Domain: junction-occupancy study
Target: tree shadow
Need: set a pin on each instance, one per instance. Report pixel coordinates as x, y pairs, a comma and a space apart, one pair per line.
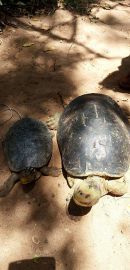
29, 7
39, 263
38, 71
51, 33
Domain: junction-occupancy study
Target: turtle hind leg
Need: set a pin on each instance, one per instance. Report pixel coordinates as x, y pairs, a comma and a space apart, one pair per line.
52, 121
50, 171
117, 186
8, 185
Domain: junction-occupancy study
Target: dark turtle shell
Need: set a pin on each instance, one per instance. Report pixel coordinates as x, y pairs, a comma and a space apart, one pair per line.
94, 137
28, 144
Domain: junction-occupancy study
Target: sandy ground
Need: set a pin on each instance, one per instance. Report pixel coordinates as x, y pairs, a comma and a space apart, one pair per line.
67, 54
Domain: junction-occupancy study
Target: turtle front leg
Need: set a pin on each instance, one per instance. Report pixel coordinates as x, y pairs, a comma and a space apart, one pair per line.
72, 181
8, 184
117, 186
52, 121
50, 171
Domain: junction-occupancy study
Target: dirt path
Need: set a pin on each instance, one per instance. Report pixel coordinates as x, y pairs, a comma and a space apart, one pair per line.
44, 56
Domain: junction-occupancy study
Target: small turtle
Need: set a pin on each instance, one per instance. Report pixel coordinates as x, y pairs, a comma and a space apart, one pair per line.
94, 140
28, 149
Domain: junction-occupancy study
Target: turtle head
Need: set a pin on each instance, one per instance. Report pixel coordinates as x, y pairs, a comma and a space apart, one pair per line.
88, 191
28, 175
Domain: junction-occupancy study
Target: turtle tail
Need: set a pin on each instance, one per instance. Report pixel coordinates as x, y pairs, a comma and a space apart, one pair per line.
8, 185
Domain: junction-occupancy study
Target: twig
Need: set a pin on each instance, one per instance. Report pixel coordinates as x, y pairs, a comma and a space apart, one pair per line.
61, 99
11, 112
69, 49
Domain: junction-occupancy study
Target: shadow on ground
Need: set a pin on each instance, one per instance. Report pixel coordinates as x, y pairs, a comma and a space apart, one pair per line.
39, 263
75, 210
113, 79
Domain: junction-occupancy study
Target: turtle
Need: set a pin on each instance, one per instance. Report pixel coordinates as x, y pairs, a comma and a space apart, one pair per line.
28, 148
93, 135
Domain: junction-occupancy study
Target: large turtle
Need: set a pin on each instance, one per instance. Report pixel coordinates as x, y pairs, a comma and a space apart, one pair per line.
28, 149
94, 141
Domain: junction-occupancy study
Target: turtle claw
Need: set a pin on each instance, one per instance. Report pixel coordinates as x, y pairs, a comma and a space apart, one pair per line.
52, 135
52, 121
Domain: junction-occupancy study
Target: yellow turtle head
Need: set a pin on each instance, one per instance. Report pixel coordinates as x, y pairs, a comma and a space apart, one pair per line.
28, 175
87, 192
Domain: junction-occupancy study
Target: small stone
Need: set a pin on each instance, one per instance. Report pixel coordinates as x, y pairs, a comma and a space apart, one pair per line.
29, 202
124, 99
67, 230
46, 241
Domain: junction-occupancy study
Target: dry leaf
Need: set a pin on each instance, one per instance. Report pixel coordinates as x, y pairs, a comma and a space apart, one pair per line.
35, 19
27, 44
36, 259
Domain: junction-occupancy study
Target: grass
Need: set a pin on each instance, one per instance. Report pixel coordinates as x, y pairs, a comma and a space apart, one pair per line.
80, 6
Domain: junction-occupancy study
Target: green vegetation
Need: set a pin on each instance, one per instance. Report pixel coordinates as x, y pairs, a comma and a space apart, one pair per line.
81, 6
24, 2
31, 7
29, 2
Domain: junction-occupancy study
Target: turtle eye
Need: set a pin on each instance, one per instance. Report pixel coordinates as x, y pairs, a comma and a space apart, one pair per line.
80, 192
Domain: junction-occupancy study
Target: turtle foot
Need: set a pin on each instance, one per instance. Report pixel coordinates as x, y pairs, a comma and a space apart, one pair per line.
118, 186
52, 171
52, 121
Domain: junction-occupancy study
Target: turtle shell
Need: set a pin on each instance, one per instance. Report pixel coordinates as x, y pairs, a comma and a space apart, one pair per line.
94, 137
28, 144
